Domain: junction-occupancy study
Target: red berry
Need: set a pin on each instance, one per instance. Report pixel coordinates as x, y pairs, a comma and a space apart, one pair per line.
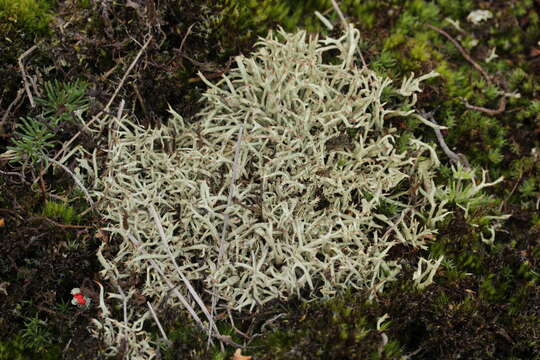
80, 299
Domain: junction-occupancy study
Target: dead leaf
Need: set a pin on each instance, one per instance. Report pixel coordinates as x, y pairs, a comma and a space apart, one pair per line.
101, 235
534, 52
3, 286
238, 355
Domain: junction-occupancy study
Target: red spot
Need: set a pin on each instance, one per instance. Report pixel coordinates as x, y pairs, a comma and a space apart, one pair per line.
80, 299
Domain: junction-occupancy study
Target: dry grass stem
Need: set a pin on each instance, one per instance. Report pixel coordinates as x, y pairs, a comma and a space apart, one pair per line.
126, 74
25, 75
158, 323
77, 181
8, 110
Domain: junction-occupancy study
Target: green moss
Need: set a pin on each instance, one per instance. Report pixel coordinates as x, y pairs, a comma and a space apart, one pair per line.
341, 328
34, 341
61, 212
30, 17
189, 342
17, 349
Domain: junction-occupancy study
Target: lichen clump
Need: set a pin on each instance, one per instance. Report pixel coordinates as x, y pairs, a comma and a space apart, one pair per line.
291, 184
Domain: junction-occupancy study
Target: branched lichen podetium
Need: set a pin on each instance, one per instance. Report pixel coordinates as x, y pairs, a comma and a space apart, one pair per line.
320, 196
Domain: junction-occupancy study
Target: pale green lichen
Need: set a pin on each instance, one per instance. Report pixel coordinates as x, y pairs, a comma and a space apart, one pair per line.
289, 185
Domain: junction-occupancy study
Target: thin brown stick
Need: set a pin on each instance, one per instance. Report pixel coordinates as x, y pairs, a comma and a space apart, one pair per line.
77, 181
185, 37
190, 288
500, 109
108, 73
106, 108
462, 51
139, 97
340, 14
25, 76
244, 335
64, 226
8, 110
503, 203
502, 101
126, 74
223, 338
11, 173
42, 186
163, 335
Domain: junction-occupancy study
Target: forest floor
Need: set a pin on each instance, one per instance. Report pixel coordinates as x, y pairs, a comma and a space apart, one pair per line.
66, 60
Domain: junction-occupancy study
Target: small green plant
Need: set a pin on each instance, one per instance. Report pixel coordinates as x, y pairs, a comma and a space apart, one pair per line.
36, 135
36, 334
31, 142
63, 100
59, 211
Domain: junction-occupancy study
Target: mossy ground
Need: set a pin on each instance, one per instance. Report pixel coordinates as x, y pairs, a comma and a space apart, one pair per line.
486, 301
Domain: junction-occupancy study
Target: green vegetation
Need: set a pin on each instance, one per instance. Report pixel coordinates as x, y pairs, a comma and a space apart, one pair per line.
38, 135
58, 211
25, 17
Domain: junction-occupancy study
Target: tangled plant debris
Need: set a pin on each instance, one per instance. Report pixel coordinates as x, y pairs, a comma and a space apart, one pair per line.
291, 184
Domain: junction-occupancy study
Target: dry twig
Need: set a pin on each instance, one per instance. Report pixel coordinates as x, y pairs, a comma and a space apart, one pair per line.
232, 188
185, 37
8, 110
223, 338
64, 226
500, 109
157, 322
124, 306
24, 75
462, 51
77, 181
340, 14
502, 101
12, 173
106, 108
186, 282
126, 74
